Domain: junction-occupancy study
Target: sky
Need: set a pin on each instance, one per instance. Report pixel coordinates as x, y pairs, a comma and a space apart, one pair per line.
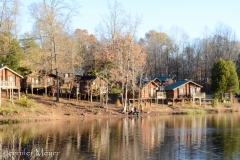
160, 15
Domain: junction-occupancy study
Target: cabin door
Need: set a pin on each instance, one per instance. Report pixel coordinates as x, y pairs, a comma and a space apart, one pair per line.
151, 92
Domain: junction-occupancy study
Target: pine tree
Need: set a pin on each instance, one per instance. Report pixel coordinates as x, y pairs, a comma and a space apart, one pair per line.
219, 77
233, 83
224, 77
13, 56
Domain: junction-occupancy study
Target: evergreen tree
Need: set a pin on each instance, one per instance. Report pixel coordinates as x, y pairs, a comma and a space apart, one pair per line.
219, 77
233, 84
13, 57
224, 77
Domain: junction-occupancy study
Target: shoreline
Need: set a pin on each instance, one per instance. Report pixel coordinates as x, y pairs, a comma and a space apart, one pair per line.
46, 109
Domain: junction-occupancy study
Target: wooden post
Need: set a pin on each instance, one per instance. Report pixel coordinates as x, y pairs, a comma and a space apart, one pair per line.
19, 94
6, 90
12, 92
193, 101
91, 92
0, 94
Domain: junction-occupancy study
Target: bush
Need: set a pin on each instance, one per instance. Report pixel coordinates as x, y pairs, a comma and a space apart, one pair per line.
215, 102
25, 102
116, 91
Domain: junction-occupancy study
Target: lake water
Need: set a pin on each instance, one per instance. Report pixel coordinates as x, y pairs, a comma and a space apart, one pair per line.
214, 136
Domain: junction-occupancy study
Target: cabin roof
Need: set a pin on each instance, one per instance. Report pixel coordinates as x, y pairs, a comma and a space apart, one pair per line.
164, 78
11, 71
152, 81
178, 84
79, 73
92, 78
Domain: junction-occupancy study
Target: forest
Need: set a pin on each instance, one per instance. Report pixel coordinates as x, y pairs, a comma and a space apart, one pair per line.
114, 51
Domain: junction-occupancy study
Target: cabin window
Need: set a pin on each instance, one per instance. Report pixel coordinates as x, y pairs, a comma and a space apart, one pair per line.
181, 90
35, 80
49, 80
151, 92
192, 90
11, 79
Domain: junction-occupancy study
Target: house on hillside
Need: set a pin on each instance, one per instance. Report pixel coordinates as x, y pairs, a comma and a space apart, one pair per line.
38, 81
10, 81
43, 81
66, 81
145, 92
92, 86
183, 90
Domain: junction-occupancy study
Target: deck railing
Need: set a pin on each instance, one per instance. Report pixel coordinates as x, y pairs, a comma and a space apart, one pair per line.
199, 95
38, 85
6, 84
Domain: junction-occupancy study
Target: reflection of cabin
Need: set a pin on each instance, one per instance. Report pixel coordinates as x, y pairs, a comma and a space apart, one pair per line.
10, 81
38, 81
184, 90
93, 86
146, 92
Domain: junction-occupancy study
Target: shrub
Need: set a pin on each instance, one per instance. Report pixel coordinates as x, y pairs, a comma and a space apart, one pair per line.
215, 102
116, 91
25, 102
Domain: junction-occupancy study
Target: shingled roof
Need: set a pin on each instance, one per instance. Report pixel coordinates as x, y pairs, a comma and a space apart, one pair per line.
178, 84
2, 67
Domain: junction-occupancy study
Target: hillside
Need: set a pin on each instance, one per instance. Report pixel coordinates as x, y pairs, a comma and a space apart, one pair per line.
43, 108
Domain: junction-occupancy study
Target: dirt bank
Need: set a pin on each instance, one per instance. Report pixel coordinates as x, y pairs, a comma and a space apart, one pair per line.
45, 108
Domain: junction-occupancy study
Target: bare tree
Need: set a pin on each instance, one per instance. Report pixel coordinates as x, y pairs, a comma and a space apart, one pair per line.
52, 18
9, 11
116, 33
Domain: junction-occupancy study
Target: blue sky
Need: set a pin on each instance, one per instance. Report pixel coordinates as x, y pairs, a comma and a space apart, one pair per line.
160, 15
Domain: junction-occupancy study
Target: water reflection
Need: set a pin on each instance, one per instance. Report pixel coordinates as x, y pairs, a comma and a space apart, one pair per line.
164, 137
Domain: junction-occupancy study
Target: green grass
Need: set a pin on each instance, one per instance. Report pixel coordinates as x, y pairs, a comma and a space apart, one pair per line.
190, 110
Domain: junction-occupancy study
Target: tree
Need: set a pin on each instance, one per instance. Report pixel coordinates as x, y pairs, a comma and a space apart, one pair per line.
219, 77
31, 53
52, 18
9, 10
159, 45
118, 46
224, 77
233, 83
14, 55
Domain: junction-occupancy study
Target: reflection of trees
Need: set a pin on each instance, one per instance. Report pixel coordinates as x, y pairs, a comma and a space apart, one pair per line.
165, 137
227, 135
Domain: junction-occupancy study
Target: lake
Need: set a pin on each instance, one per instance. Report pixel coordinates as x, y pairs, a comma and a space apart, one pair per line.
212, 136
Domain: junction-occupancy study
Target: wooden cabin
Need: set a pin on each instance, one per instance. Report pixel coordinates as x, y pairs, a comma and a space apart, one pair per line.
66, 80
183, 90
148, 91
38, 81
92, 86
10, 81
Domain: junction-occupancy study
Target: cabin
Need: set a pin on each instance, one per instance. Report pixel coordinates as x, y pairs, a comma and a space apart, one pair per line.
146, 92
92, 86
10, 81
66, 80
38, 81
183, 90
